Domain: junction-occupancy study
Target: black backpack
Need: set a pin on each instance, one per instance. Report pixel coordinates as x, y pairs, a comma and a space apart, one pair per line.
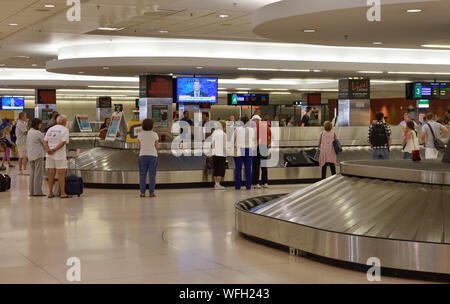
13, 134
378, 136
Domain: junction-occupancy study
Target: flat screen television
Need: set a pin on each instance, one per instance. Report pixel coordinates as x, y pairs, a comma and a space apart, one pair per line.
13, 103
196, 90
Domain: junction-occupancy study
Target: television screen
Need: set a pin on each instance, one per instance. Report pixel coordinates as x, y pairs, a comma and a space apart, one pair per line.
155, 86
13, 103
428, 90
248, 99
196, 90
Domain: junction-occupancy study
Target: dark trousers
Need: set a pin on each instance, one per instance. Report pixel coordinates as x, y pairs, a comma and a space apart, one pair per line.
324, 169
257, 167
245, 159
147, 166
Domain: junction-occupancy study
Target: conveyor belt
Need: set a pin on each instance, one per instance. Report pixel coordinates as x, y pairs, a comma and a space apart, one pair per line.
349, 218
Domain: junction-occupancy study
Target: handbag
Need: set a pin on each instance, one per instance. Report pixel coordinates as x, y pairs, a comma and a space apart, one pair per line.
438, 144
416, 152
209, 163
337, 145
317, 155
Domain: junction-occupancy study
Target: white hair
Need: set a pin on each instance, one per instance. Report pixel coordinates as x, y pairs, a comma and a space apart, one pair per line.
62, 119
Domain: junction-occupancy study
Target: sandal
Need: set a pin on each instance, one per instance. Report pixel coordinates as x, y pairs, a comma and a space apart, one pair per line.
67, 196
50, 196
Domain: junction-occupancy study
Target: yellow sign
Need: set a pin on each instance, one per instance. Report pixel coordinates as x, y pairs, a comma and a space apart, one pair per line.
134, 127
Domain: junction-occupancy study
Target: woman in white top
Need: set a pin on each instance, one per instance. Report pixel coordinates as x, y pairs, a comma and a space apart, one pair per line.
219, 145
148, 157
410, 140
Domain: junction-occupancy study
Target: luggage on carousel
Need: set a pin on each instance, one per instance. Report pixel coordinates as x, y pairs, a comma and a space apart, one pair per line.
74, 185
300, 159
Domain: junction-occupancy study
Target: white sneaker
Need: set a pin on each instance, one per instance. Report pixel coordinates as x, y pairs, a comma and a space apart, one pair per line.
266, 186
257, 186
219, 187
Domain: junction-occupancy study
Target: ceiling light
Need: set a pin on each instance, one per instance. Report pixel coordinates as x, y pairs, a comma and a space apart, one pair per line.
272, 70
317, 71
21, 56
34, 65
421, 73
280, 93
163, 31
112, 29
49, 5
377, 43
442, 46
106, 68
309, 31
224, 16
13, 24
414, 11
370, 72
80, 72
199, 67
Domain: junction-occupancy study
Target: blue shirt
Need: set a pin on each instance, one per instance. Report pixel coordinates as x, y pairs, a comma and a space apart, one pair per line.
4, 125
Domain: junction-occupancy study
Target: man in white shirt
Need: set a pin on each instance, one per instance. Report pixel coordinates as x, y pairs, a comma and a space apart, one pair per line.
21, 141
55, 141
431, 127
406, 118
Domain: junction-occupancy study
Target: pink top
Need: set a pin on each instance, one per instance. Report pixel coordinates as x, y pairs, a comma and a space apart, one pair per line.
327, 153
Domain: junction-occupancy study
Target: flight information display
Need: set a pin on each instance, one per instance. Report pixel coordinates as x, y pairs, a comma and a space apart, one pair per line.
445, 90
248, 99
427, 90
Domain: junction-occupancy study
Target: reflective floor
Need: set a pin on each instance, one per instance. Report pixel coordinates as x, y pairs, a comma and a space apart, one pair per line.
182, 236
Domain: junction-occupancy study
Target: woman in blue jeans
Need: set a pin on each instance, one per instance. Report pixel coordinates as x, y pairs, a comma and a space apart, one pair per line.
245, 142
148, 156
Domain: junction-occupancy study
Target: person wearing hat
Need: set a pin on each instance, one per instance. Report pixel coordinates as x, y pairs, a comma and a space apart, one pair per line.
262, 141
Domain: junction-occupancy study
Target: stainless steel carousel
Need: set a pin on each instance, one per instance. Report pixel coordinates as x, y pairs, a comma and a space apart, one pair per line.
396, 211
116, 163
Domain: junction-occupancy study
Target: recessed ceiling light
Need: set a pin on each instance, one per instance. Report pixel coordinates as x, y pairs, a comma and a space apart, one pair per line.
224, 16
106, 68
21, 56
163, 31
199, 67
309, 31
377, 43
112, 29
34, 65
13, 24
317, 71
441, 46
49, 5
370, 72
80, 72
414, 11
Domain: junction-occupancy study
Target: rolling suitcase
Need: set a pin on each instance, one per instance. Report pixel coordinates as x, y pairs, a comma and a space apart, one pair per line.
5, 183
74, 185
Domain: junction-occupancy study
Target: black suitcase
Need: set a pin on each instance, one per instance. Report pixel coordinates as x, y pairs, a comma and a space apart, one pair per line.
311, 154
446, 157
299, 159
5, 183
74, 185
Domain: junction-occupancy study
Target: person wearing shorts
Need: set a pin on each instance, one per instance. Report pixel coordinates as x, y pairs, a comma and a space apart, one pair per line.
21, 142
55, 141
219, 144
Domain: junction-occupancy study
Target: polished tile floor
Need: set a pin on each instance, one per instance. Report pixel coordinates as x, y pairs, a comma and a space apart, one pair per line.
182, 236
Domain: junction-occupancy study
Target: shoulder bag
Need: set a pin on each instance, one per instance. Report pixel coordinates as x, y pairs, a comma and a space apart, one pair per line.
438, 144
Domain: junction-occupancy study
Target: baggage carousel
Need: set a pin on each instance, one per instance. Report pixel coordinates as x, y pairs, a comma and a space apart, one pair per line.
396, 211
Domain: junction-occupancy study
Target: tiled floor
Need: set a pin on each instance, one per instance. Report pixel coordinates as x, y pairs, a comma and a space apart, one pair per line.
182, 236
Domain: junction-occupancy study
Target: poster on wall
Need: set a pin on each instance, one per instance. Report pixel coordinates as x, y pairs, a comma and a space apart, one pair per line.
160, 114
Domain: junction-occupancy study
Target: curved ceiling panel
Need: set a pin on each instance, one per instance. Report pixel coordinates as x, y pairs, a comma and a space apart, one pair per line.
345, 23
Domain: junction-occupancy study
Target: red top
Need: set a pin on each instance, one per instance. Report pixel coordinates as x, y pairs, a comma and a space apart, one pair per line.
269, 134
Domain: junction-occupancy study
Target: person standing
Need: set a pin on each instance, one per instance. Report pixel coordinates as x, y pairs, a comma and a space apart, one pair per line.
21, 142
327, 156
263, 142
6, 140
306, 119
380, 138
218, 147
186, 118
52, 121
410, 140
55, 141
36, 153
245, 143
431, 130
148, 157
406, 118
